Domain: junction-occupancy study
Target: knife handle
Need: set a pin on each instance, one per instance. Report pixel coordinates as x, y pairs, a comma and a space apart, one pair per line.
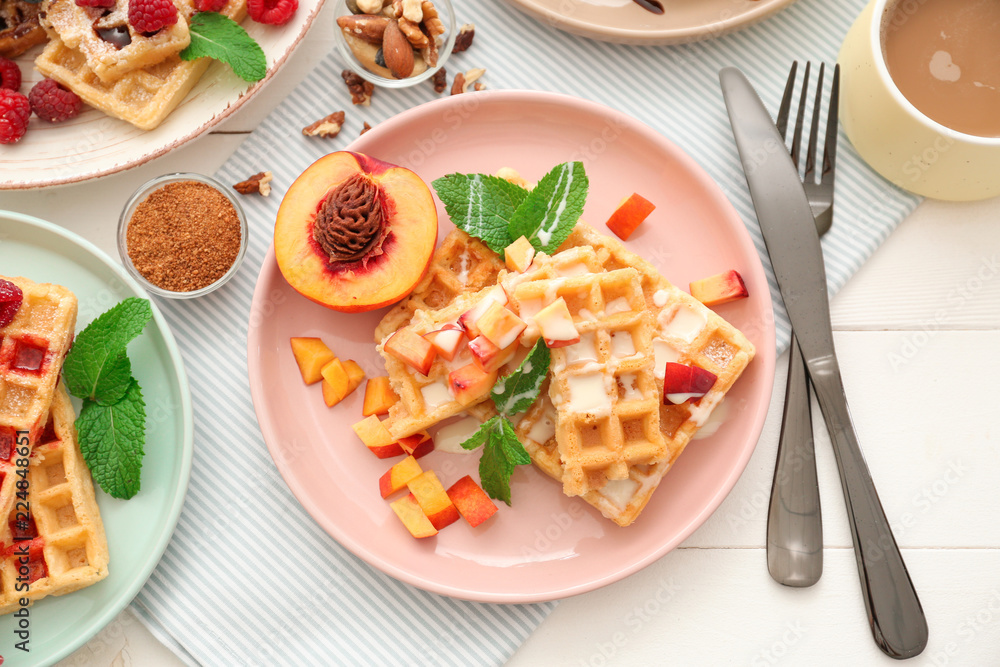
894, 612
794, 522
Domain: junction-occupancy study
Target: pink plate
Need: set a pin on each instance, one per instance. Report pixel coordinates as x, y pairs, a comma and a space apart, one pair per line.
547, 545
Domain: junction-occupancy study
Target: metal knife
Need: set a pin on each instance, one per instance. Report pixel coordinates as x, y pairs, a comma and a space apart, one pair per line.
894, 612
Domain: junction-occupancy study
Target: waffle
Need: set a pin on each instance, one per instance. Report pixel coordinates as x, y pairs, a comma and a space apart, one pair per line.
80, 28
461, 264
19, 27
63, 536
603, 387
142, 97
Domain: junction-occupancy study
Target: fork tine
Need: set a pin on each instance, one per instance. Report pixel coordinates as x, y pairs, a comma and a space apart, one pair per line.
786, 100
799, 117
830, 146
808, 176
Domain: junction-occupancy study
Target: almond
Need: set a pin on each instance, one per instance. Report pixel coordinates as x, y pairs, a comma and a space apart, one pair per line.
397, 51
368, 28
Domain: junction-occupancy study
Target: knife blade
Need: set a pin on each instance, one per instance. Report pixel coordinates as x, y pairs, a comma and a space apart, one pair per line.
894, 612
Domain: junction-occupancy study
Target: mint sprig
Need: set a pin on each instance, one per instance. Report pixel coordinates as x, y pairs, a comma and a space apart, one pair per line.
216, 36
112, 423
498, 212
502, 451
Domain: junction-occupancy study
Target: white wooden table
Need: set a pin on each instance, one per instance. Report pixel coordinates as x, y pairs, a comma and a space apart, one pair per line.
917, 332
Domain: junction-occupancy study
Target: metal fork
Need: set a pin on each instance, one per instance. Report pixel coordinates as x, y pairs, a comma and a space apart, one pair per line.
794, 523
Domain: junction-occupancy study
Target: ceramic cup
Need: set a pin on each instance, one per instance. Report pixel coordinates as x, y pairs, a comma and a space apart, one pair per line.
898, 141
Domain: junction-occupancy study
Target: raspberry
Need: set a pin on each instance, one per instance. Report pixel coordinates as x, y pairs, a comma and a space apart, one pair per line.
10, 300
53, 103
14, 113
272, 12
210, 5
105, 4
10, 74
148, 16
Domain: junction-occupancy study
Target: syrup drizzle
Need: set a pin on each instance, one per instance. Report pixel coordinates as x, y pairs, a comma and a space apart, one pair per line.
654, 6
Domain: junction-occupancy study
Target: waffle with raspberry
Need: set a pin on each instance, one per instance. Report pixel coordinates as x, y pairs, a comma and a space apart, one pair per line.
61, 538
19, 27
143, 97
109, 44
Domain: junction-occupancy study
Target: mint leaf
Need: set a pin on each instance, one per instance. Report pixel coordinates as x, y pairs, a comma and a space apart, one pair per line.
216, 36
501, 454
111, 441
114, 381
550, 211
92, 367
481, 206
519, 390
478, 439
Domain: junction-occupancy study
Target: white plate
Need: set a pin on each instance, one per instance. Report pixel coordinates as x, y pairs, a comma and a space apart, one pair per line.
94, 144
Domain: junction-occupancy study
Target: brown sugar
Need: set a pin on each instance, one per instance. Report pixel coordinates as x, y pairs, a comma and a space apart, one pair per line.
184, 236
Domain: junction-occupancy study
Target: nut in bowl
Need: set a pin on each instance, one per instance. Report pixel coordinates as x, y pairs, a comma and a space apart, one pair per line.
395, 43
182, 235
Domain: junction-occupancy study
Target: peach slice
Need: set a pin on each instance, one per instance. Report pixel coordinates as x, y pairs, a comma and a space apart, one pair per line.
556, 324
500, 326
472, 502
354, 375
311, 354
411, 349
336, 383
396, 477
408, 510
351, 261
630, 213
722, 288
379, 397
518, 255
470, 383
417, 445
446, 340
682, 383
433, 499
488, 356
469, 318
377, 438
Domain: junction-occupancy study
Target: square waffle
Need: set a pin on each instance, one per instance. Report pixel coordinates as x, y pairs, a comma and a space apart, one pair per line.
603, 387
63, 537
142, 97
81, 28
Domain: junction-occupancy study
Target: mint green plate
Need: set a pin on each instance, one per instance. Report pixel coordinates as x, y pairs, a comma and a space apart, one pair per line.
138, 529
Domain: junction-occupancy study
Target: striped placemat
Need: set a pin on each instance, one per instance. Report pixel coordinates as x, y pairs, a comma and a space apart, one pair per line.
249, 578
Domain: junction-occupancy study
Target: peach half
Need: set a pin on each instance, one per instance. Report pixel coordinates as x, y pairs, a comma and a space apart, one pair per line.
354, 233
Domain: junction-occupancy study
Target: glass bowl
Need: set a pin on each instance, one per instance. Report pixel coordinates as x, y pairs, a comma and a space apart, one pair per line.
446, 13
140, 195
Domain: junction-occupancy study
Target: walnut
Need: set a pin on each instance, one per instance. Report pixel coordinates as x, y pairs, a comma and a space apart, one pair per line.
464, 82
463, 40
365, 128
414, 34
412, 10
361, 90
349, 224
327, 128
259, 183
440, 80
430, 52
432, 24
370, 6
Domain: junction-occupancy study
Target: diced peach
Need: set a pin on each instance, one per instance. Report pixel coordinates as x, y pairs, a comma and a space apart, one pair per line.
472, 502
433, 499
417, 445
377, 438
556, 324
408, 510
469, 318
518, 255
470, 383
396, 477
500, 326
411, 349
379, 397
311, 354
722, 288
336, 383
488, 356
354, 375
630, 213
446, 340
682, 383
